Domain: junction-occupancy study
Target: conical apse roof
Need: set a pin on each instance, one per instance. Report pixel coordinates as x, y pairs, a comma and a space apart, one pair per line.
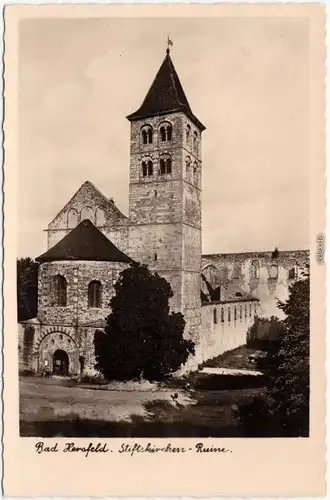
84, 242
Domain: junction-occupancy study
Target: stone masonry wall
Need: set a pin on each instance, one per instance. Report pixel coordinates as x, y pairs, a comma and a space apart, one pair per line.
220, 331
165, 210
89, 203
36, 351
78, 275
259, 273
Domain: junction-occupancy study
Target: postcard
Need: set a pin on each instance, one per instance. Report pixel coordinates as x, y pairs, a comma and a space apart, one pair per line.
164, 235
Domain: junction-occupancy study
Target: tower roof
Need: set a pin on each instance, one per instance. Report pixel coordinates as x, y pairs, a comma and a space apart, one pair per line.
84, 242
165, 95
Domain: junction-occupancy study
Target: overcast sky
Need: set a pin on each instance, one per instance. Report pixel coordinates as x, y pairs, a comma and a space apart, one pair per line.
245, 79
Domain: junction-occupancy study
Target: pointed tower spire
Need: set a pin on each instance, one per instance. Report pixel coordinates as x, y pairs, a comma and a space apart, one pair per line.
166, 94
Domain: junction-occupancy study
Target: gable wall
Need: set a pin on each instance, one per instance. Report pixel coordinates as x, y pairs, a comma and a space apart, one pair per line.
88, 203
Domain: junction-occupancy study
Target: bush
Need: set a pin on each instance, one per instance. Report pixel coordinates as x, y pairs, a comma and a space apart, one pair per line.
27, 288
264, 331
93, 379
284, 411
142, 338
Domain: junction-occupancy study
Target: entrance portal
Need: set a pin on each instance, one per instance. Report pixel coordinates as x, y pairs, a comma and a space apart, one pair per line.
60, 363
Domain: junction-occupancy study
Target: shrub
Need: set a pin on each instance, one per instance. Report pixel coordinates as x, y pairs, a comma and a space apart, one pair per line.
142, 338
264, 331
284, 410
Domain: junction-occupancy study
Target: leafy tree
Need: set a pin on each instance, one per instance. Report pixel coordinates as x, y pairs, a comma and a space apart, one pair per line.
264, 331
284, 409
142, 338
27, 288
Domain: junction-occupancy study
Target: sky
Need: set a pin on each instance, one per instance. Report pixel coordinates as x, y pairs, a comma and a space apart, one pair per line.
246, 79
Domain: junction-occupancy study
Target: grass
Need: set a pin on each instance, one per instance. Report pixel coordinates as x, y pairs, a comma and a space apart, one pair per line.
207, 414
53, 407
237, 359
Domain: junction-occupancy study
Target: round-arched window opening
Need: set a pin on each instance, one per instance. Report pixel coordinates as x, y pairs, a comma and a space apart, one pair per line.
273, 272
147, 135
165, 132
95, 294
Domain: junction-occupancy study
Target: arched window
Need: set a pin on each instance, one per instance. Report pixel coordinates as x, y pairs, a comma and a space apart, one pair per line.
72, 218
94, 294
100, 219
195, 143
254, 270
222, 315
195, 173
246, 311
87, 213
147, 168
250, 310
293, 272
165, 165
240, 313
147, 135
166, 132
188, 163
235, 313
188, 130
60, 290
229, 314
273, 272
215, 319
237, 269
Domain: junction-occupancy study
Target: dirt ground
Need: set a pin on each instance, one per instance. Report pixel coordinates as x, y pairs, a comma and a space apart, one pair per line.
49, 408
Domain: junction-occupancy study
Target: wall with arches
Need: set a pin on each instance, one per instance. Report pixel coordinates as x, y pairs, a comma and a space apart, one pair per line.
76, 341
89, 203
55, 341
259, 273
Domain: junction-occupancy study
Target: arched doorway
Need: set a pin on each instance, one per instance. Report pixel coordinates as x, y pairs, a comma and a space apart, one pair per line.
60, 363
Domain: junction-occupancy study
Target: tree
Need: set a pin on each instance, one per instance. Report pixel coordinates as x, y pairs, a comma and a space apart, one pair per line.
284, 410
142, 338
290, 387
27, 288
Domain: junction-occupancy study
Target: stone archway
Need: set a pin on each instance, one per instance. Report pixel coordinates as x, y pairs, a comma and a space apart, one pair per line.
60, 363
60, 348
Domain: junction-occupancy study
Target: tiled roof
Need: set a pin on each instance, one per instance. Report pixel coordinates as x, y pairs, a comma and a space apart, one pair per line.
165, 95
84, 242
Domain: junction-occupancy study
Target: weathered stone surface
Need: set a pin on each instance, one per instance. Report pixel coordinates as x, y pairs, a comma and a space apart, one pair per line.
163, 231
259, 273
165, 210
89, 203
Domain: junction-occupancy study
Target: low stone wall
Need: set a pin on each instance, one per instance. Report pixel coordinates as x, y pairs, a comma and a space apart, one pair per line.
222, 330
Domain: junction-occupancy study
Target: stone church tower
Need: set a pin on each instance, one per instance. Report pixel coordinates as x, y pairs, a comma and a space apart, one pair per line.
165, 191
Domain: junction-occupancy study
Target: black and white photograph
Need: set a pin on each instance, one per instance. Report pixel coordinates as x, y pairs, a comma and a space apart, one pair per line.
163, 227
